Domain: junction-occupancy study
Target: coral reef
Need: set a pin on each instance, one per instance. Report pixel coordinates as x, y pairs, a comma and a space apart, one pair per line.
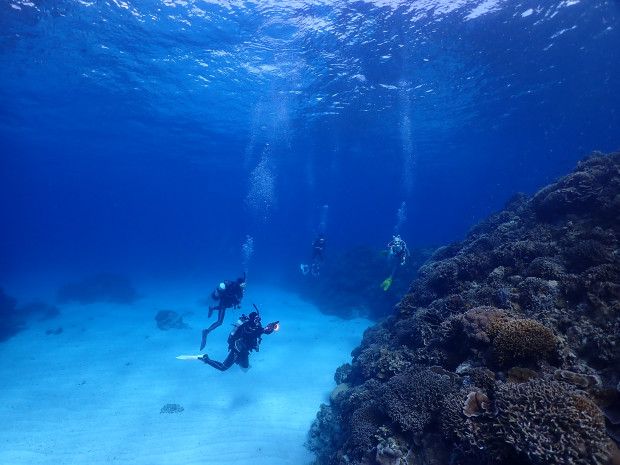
42, 310
171, 408
550, 423
522, 341
412, 399
14, 317
99, 288
169, 319
540, 421
10, 324
506, 347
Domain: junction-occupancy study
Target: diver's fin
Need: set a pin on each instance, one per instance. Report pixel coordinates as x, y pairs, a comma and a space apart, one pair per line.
203, 342
190, 357
385, 285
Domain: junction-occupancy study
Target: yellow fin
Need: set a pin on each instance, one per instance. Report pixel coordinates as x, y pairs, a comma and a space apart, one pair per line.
385, 285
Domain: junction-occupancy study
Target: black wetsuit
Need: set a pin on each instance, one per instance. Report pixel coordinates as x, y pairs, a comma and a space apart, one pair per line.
229, 297
399, 254
245, 339
317, 249
317, 255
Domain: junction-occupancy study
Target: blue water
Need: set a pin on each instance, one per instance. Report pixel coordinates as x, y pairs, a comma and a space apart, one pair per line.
151, 138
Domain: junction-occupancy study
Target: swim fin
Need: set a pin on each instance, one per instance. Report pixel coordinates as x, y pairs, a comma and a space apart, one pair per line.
203, 343
385, 285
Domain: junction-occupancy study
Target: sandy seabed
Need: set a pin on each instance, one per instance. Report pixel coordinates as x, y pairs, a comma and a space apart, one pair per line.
94, 393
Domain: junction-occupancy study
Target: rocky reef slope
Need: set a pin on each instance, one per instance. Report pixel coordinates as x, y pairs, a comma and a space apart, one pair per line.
505, 350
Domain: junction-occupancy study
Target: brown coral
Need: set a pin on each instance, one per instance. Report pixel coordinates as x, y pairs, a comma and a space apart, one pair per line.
520, 375
476, 323
522, 341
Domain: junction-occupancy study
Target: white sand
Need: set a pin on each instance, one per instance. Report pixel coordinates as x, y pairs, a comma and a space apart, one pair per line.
93, 393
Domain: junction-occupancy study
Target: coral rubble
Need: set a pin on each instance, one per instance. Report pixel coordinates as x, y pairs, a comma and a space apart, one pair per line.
505, 349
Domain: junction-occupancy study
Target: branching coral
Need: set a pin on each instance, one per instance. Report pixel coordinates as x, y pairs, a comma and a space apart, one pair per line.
470, 433
364, 424
551, 423
411, 399
546, 421
538, 296
380, 362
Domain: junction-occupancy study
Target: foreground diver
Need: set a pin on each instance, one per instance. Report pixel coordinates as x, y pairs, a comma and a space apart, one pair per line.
229, 294
245, 337
397, 256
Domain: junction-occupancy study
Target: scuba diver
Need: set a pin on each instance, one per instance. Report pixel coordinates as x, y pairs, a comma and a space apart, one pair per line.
229, 294
245, 337
317, 257
397, 256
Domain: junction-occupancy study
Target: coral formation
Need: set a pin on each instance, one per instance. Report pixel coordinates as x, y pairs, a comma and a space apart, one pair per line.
9, 323
522, 341
99, 288
477, 322
540, 421
42, 310
14, 317
476, 404
506, 348
171, 408
168, 319
550, 423
413, 398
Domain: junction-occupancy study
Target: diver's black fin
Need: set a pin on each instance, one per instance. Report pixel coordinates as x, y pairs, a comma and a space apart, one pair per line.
203, 343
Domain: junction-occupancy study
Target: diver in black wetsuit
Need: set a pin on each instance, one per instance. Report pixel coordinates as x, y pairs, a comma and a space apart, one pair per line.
229, 294
245, 337
317, 257
317, 254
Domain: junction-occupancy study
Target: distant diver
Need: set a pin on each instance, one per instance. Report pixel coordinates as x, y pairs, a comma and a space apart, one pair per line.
245, 337
397, 256
318, 245
229, 294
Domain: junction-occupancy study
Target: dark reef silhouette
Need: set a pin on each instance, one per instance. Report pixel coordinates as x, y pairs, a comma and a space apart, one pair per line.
99, 288
10, 323
349, 282
14, 317
505, 349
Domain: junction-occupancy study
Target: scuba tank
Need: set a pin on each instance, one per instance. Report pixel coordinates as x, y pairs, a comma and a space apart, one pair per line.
231, 336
